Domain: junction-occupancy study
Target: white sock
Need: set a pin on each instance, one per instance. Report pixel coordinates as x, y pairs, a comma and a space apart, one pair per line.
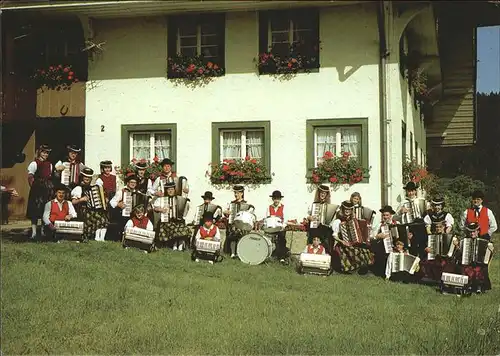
181, 246
33, 230
97, 234
103, 234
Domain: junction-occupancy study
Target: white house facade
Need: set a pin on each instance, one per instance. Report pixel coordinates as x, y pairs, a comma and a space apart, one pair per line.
134, 111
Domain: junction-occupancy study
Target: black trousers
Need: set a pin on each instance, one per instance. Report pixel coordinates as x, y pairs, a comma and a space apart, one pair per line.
281, 250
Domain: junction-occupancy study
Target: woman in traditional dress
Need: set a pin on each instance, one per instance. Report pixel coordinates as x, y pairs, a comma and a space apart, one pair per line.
42, 187
95, 221
347, 255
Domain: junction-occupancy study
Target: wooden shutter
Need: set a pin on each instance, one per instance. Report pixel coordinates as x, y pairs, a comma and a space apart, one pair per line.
263, 31
172, 36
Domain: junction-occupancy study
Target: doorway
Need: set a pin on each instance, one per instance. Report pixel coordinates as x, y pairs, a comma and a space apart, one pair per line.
59, 133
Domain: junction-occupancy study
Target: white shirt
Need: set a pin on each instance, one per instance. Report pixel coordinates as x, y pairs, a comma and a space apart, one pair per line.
419, 213
76, 193
100, 183
48, 207
376, 227
60, 163
32, 167
116, 199
157, 204
268, 213
491, 218
4, 188
130, 223
156, 185
217, 233
448, 220
315, 249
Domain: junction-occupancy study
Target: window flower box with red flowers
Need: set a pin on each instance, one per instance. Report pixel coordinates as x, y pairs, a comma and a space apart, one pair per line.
338, 170
58, 77
417, 173
294, 62
153, 169
192, 68
244, 171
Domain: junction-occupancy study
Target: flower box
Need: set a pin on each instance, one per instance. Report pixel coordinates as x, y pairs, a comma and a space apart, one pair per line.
341, 170
192, 68
153, 169
246, 171
296, 61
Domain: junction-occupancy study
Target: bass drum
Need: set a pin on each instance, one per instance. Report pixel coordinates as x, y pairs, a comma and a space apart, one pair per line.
254, 248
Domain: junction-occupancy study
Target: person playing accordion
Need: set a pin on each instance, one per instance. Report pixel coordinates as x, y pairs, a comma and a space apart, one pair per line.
207, 232
58, 209
139, 219
207, 206
437, 214
383, 240
316, 248
350, 251
481, 215
171, 226
320, 215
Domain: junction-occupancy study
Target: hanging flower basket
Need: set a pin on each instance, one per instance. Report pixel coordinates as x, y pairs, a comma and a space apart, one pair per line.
58, 77
152, 172
246, 171
192, 68
296, 61
338, 170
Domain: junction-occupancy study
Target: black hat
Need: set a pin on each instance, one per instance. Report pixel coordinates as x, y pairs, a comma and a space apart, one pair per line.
346, 204
437, 201
106, 164
411, 186
45, 148
387, 209
238, 188
87, 172
478, 194
73, 148
138, 208
472, 226
59, 186
324, 188
141, 165
208, 216
170, 184
440, 222
167, 161
131, 177
276, 194
208, 195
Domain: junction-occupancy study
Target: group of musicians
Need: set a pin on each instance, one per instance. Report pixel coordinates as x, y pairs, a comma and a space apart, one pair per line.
346, 232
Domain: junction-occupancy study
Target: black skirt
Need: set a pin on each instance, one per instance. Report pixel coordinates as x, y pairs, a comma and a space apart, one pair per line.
42, 190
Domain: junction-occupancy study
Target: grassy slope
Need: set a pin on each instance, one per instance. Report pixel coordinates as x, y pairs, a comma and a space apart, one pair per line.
101, 299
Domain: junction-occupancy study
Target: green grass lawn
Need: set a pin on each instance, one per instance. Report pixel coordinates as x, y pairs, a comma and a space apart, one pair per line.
97, 298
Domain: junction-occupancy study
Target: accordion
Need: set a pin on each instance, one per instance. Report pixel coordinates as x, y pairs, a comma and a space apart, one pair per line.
139, 238
128, 201
69, 227
416, 209
402, 262
208, 246
393, 232
350, 232
440, 245
363, 213
176, 206
452, 283
322, 214
475, 251
96, 197
212, 208
68, 175
234, 208
315, 264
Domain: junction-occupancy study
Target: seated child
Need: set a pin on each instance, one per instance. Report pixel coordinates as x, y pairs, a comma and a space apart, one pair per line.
139, 219
57, 209
208, 231
316, 247
399, 247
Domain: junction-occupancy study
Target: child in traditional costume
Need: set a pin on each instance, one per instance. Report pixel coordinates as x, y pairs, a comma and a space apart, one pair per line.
74, 166
172, 209
207, 206
138, 219
277, 209
348, 254
42, 187
315, 248
107, 179
58, 209
481, 215
208, 231
95, 220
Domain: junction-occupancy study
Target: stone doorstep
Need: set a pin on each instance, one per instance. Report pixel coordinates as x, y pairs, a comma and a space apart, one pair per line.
16, 226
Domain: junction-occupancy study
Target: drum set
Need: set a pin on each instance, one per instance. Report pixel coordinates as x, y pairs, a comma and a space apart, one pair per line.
258, 245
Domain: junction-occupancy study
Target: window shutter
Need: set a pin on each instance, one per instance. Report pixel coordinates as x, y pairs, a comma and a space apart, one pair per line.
171, 36
315, 33
263, 31
220, 20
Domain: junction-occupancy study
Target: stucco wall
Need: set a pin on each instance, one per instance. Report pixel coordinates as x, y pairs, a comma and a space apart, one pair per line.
129, 87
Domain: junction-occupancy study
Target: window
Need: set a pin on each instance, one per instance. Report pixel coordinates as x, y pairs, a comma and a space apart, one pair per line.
281, 29
403, 142
337, 136
148, 141
236, 140
411, 147
197, 35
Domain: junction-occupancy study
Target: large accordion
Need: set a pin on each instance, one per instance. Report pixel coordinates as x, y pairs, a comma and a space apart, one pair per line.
235, 208
201, 209
311, 263
209, 247
402, 262
440, 245
69, 227
69, 175
457, 284
139, 238
416, 209
176, 206
351, 232
322, 214
394, 233
96, 197
475, 250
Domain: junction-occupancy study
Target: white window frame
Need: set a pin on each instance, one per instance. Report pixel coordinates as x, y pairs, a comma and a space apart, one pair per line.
198, 40
151, 142
243, 144
338, 140
290, 31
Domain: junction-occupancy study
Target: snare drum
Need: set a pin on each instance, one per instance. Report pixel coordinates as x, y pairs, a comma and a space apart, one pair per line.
272, 224
254, 248
244, 220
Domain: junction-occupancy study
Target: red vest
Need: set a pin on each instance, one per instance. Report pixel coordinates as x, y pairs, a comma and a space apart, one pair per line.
276, 212
109, 183
210, 234
142, 224
55, 213
482, 220
43, 169
310, 249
